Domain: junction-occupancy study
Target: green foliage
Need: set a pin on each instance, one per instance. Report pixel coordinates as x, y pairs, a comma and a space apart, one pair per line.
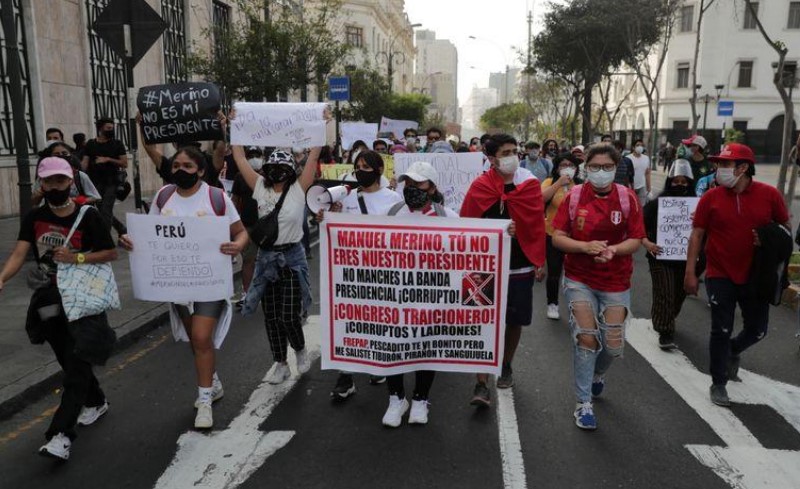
371, 98
408, 107
733, 136
509, 118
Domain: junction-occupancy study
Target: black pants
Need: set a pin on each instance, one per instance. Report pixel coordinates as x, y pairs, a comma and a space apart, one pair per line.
424, 381
668, 294
81, 387
555, 266
106, 208
283, 314
723, 295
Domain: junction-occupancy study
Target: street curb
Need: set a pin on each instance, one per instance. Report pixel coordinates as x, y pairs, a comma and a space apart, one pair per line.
33, 386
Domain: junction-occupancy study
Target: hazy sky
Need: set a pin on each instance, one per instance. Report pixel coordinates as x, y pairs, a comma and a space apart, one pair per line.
498, 25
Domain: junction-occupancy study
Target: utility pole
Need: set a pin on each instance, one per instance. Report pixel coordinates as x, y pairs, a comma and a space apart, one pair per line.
528, 73
17, 106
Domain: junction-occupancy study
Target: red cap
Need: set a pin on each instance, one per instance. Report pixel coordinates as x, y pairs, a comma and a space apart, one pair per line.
735, 152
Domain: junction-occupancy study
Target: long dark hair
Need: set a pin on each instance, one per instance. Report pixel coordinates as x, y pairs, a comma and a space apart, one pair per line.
373, 159
555, 175
195, 155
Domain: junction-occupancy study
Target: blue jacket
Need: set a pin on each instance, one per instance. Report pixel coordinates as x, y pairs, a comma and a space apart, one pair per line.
268, 263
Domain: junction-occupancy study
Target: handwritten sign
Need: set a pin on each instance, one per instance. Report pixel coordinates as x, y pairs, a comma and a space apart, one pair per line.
402, 293
335, 171
675, 226
355, 131
178, 258
300, 125
397, 127
179, 112
456, 172
388, 166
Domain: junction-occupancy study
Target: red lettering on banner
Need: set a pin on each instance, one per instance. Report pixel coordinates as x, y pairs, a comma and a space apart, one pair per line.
416, 241
375, 314
361, 239
359, 343
345, 257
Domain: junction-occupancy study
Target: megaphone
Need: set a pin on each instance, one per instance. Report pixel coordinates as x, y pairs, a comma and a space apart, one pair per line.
319, 197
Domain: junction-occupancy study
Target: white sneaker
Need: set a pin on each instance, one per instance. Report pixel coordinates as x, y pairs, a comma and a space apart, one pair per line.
280, 372
216, 394
205, 417
394, 413
552, 312
419, 412
91, 414
57, 447
303, 363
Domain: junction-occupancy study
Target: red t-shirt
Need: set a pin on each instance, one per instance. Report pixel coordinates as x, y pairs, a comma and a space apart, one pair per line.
601, 219
729, 220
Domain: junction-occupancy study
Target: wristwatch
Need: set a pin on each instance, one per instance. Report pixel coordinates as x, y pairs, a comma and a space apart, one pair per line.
80, 258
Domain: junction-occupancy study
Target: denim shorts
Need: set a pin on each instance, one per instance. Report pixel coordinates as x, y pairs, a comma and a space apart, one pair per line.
211, 309
578, 292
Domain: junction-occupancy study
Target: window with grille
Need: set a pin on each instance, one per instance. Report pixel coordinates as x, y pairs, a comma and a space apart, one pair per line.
109, 77
745, 74
6, 119
354, 36
687, 18
749, 18
222, 22
794, 15
172, 11
683, 75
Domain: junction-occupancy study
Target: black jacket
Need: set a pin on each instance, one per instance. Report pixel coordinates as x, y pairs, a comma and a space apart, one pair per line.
770, 271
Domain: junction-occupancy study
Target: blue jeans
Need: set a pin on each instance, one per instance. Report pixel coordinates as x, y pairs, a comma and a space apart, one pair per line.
268, 265
723, 295
610, 337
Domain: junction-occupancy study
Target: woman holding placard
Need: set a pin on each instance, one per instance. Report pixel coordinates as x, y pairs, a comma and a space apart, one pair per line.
281, 281
667, 275
204, 324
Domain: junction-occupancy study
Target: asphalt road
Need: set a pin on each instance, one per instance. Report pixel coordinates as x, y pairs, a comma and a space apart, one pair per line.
650, 421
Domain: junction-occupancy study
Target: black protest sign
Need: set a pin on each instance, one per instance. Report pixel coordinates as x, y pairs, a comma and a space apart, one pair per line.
179, 112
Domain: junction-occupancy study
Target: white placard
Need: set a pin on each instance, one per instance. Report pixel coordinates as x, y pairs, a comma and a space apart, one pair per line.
401, 294
456, 171
282, 125
177, 259
354, 131
675, 226
397, 126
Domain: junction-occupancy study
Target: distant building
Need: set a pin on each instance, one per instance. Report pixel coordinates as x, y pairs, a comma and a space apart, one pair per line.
507, 85
479, 101
733, 54
437, 73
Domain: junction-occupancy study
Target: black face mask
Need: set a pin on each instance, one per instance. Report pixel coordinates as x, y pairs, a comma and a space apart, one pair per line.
185, 180
109, 134
275, 174
415, 198
679, 190
367, 178
57, 197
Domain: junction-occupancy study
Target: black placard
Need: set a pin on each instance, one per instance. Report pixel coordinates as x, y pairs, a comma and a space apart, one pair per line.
179, 112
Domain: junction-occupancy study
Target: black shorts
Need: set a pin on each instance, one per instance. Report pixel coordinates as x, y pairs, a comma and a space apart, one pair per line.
519, 305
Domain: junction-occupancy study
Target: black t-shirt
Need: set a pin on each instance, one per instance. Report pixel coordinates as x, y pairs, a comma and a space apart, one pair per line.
625, 172
211, 176
700, 168
47, 231
103, 174
518, 258
249, 210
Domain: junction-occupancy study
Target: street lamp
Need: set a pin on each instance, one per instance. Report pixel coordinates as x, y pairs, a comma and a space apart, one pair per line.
707, 98
421, 88
390, 56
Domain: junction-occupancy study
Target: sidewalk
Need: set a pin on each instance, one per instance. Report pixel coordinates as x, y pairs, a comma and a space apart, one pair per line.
27, 370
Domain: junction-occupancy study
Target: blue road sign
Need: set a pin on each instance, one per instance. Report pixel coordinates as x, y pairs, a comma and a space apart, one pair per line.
339, 88
725, 108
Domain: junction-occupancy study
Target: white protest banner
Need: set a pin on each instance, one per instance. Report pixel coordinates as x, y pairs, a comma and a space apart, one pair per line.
456, 171
354, 131
177, 259
279, 124
675, 226
397, 127
401, 294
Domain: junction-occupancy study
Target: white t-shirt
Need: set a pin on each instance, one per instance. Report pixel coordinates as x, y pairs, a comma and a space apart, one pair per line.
405, 211
293, 211
640, 166
198, 204
378, 203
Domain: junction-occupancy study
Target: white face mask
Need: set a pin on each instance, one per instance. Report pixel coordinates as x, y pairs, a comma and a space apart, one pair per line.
256, 163
534, 154
726, 178
508, 165
639, 149
567, 172
601, 179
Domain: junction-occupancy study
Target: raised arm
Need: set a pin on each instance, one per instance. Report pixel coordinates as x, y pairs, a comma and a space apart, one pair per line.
310, 171
250, 176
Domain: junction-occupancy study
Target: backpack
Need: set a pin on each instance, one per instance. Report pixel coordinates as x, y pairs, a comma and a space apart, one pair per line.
575, 197
438, 208
216, 195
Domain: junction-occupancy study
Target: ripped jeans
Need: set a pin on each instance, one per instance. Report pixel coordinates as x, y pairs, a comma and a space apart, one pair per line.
723, 295
610, 338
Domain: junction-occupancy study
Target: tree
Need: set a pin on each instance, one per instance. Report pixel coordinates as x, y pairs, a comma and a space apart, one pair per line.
704, 6
369, 95
509, 118
408, 107
782, 79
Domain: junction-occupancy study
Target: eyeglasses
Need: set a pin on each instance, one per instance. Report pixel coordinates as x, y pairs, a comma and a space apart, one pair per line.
597, 168
61, 153
434, 138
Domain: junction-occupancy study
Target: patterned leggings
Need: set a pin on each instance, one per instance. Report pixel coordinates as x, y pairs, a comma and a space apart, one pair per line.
283, 314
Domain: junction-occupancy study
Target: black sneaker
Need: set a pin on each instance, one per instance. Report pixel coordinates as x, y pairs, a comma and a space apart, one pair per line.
376, 380
733, 367
506, 379
481, 397
666, 341
345, 387
719, 395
